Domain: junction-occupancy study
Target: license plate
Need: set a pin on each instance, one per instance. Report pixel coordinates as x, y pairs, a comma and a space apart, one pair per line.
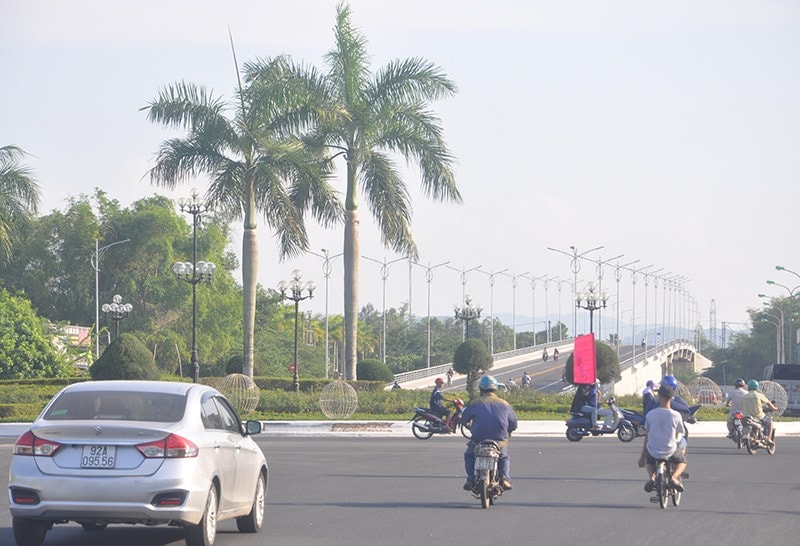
484, 463
96, 456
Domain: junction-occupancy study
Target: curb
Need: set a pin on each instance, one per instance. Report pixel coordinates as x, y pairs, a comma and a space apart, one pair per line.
543, 429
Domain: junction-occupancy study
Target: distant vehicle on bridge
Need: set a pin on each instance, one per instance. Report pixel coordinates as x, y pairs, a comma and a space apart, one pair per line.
788, 377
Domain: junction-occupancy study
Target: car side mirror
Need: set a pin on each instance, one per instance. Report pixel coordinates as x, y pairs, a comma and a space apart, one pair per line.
252, 427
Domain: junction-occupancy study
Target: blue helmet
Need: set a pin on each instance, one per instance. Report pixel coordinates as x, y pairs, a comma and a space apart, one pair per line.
752, 385
670, 381
488, 383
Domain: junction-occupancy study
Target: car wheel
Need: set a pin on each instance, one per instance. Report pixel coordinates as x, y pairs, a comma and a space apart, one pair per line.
28, 532
204, 533
252, 522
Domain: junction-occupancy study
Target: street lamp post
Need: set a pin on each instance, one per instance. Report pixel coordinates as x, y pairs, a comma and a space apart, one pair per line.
491, 305
297, 293
384, 275
326, 272
591, 300
467, 313
117, 311
195, 272
514, 304
429, 278
463, 272
575, 266
98, 251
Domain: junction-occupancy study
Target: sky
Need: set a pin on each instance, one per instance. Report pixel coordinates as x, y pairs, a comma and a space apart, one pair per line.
664, 132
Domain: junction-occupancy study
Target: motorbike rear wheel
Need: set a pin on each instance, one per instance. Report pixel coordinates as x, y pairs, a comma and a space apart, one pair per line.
485, 500
422, 428
573, 435
626, 433
738, 439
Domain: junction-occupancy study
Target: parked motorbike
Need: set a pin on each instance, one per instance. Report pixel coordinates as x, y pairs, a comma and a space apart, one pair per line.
487, 486
580, 425
425, 423
738, 429
755, 437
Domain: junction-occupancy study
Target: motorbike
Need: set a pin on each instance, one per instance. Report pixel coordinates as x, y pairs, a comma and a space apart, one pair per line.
738, 429
425, 423
636, 420
754, 437
487, 485
580, 425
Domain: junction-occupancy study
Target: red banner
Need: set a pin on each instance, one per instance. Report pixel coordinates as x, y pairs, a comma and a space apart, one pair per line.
584, 360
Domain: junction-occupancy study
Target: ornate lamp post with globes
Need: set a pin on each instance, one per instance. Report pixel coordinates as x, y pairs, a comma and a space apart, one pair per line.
116, 311
467, 313
297, 292
195, 272
591, 300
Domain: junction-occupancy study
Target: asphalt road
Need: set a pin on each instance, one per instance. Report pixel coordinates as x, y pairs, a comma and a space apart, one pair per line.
402, 491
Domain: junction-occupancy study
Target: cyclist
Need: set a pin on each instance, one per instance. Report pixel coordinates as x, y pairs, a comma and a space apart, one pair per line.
664, 428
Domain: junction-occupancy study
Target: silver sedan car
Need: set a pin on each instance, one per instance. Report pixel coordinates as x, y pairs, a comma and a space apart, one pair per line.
149, 452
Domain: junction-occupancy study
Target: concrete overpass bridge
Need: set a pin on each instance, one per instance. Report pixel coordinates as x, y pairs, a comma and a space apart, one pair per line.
637, 365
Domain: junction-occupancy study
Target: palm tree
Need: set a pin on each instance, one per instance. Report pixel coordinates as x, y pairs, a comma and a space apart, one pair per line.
19, 197
255, 163
370, 117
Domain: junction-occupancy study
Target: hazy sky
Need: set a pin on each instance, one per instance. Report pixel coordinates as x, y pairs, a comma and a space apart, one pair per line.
666, 131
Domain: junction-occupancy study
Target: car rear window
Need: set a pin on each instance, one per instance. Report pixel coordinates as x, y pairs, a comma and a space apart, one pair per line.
129, 406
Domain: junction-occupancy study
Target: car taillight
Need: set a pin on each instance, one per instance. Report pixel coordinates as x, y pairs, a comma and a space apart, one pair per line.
29, 444
171, 447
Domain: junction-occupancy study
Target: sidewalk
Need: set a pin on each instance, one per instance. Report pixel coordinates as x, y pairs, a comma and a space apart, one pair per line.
544, 429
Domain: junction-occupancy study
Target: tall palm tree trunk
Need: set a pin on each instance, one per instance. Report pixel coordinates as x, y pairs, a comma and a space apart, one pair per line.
351, 261
249, 274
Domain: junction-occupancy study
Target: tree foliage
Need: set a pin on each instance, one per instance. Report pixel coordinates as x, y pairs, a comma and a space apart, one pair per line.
26, 349
472, 358
125, 358
19, 198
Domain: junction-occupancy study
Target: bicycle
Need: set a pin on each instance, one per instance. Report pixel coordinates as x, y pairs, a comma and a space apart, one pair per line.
664, 490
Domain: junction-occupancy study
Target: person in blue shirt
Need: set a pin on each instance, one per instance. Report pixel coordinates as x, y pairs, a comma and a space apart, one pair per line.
491, 418
591, 406
437, 400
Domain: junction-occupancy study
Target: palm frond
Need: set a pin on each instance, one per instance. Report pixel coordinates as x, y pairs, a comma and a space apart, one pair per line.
411, 79
389, 202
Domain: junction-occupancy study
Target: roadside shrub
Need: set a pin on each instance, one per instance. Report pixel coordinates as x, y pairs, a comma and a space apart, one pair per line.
373, 369
125, 358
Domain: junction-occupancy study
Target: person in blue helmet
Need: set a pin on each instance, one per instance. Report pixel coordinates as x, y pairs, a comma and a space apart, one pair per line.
678, 404
753, 405
491, 418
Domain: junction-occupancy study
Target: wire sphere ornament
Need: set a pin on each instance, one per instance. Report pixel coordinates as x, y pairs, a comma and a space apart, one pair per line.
776, 394
242, 392
338, 400
706, 392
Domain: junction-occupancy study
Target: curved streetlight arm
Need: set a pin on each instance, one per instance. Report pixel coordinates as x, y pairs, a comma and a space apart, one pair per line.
95, 260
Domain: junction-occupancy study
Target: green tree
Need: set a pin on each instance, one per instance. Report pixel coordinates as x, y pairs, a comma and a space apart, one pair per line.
19, 197
367, 117
254, 160
25, 347
125, 358
472, 358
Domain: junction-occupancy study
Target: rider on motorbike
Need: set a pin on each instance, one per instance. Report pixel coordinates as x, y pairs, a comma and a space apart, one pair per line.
664, 430
733, 400
491, 418
437, 400
591, 405
753, 405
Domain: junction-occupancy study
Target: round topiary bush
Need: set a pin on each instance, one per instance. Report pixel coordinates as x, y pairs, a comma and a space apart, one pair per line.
125, 358
373, 369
